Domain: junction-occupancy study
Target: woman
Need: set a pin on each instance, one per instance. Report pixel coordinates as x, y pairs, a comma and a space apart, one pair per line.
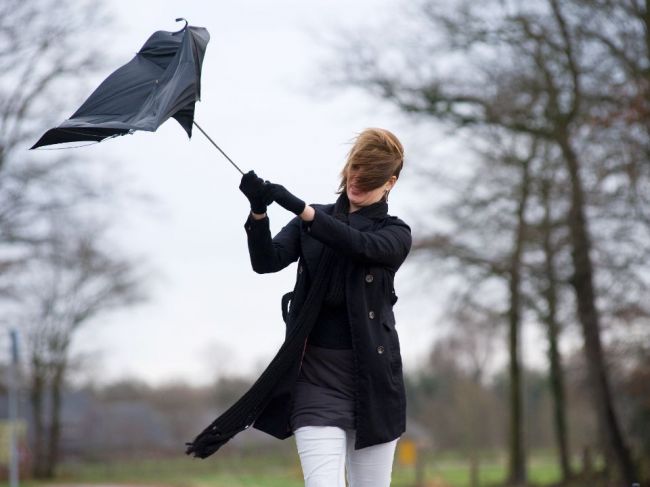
347, 406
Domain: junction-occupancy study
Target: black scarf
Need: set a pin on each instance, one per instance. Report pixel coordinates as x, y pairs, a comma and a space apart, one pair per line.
244, 412
335, 294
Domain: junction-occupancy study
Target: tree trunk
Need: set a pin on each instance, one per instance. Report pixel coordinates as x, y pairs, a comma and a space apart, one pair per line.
36, 398
474, 467
52, 455
583, 284
556, 374
517, 466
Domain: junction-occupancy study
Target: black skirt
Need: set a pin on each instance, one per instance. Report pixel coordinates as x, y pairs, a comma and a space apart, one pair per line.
324, 391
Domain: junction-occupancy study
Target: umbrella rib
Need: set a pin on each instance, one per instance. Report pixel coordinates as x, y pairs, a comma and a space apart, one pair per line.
214, 144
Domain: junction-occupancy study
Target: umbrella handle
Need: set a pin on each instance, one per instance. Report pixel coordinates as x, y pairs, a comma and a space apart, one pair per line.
214, 144
178, 20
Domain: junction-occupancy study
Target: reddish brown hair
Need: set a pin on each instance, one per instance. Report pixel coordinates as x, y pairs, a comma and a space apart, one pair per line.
377, 155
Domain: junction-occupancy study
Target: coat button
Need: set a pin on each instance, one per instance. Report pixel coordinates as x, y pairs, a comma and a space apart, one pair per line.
300, 269
371, 314
380, 349
369, 277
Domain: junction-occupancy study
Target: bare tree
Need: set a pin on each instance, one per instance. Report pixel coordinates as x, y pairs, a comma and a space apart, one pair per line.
57, 269
67, 284
39, 57
549, 287
39, 52
496, 199
529, 70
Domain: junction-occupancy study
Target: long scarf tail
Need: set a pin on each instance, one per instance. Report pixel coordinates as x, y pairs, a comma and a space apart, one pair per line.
244, 412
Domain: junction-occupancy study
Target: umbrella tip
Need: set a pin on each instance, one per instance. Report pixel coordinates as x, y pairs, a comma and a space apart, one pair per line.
184, 20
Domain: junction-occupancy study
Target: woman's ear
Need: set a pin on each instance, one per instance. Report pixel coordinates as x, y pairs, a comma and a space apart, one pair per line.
392, 181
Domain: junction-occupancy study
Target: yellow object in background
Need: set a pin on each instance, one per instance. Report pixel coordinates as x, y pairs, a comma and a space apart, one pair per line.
5, 433
407, 452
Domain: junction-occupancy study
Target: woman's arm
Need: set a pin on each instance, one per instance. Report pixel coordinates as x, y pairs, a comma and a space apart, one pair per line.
387, 246
271, 254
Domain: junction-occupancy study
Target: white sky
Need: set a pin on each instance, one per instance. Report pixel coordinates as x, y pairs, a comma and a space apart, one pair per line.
209, 311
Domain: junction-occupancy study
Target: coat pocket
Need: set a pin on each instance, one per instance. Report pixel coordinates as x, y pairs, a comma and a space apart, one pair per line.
388, 321
388, 318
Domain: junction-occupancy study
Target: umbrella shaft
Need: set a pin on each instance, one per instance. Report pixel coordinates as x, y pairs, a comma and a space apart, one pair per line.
214, 144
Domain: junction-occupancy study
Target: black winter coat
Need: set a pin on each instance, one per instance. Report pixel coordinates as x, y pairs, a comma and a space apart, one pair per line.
377, 245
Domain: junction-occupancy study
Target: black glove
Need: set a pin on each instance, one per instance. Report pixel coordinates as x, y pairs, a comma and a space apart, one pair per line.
286, 200
257, 191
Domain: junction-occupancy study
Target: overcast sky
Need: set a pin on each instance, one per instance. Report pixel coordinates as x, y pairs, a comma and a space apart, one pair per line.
209, 311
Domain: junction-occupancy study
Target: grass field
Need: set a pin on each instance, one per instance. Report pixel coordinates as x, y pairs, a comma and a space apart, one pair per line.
281, 469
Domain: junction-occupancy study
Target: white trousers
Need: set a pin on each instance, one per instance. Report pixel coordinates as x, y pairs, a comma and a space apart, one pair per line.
326, 452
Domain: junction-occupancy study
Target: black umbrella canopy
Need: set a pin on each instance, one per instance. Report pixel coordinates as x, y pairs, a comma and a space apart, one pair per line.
163, 80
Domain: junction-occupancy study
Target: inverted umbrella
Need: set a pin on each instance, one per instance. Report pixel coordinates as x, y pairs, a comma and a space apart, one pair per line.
163, 80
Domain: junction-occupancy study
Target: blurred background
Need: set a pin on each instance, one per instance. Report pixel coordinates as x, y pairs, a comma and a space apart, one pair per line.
131, 317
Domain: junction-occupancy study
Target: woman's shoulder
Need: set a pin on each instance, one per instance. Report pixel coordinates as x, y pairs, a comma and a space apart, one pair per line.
395, 220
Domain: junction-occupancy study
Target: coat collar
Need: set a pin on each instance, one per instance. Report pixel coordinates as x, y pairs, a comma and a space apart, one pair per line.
374, 211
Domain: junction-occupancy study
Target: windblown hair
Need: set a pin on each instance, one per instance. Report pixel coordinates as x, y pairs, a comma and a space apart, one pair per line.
377, 155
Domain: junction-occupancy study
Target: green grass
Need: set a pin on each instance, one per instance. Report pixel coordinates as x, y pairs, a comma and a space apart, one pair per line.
282, 469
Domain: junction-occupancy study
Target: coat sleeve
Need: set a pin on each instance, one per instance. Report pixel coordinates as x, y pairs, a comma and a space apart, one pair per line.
272, 254
387, 246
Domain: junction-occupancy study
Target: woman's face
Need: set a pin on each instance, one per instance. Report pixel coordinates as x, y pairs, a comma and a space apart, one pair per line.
359, 197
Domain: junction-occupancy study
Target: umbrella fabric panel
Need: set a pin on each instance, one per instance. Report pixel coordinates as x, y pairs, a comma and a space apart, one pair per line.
161, 81
61, 135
